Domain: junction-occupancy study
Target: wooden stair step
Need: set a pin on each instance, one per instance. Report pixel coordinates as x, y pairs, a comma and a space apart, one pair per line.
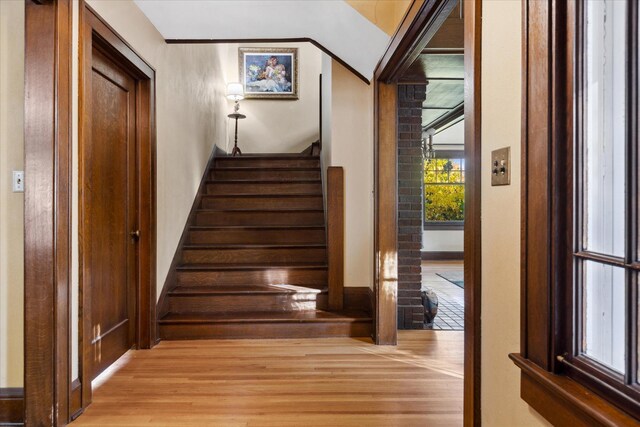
310, 187
264, 174
301, 274
268, 162
244, 298
261, 201
257, 235
295, 324
251, 254
260, 217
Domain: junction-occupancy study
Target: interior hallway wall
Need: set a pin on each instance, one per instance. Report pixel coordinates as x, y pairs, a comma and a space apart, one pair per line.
278, 125
501, 102
11, 204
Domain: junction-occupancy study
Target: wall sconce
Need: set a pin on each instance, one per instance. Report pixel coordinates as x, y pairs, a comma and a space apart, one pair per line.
235, 92
427, 145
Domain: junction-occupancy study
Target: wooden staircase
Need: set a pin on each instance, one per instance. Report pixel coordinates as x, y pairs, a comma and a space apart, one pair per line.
253, 260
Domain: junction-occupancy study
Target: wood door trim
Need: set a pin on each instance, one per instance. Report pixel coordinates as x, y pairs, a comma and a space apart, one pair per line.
47, 248
95, 32
403, 45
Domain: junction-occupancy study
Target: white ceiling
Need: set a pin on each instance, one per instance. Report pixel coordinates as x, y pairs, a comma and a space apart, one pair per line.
334, 24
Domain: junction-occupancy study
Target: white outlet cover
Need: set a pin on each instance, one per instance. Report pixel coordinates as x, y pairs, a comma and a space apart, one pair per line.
18, 182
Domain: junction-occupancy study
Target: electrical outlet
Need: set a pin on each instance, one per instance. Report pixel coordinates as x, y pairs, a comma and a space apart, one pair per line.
501, 166
18, 181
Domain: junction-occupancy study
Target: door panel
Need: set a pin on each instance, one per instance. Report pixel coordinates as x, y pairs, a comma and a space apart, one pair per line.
110, 210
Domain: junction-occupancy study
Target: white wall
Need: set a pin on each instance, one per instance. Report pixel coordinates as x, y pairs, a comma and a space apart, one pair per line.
501, 101
442, 240
281, 125
351, 146
11, 204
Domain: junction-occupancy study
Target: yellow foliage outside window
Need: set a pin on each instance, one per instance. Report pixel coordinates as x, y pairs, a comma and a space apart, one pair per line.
444, 189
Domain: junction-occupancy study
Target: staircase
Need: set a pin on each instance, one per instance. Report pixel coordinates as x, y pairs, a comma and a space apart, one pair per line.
253, 261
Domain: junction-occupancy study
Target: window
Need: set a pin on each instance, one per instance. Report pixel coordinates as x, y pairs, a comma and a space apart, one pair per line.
602, 351
444, 191
580, 212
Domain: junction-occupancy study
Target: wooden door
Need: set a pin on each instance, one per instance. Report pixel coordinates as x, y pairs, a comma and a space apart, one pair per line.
110, 210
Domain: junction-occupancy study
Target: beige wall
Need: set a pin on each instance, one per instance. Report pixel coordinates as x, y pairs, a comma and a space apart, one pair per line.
501, 100
11, 204
278, 126
350, 145
386, 14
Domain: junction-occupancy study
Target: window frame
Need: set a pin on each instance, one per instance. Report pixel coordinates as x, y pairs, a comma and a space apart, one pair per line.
590, 393
443, 225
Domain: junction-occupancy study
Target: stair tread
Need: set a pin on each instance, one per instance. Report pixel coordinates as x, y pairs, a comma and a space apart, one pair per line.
303, 316
267, 266
256, 195
257, 227
253, 246
261, 210
244, 289
263, 181
269, 156
265, 168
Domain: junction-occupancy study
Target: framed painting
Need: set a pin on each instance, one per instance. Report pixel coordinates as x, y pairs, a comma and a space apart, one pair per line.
269, 73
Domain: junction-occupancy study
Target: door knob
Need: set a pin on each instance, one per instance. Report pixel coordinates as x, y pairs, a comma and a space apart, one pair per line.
135, 234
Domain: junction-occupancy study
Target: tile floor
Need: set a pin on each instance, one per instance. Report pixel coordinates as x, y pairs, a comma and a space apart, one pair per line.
450, 297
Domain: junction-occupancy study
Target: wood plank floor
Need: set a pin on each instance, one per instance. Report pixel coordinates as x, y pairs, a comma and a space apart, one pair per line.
312, 382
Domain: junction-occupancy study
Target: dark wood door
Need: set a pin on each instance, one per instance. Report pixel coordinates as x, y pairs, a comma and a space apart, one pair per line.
110, 210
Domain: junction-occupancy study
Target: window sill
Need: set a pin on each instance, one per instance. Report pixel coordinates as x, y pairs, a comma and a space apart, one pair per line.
563, 401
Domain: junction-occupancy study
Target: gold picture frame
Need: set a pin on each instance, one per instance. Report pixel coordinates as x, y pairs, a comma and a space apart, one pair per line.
269, 73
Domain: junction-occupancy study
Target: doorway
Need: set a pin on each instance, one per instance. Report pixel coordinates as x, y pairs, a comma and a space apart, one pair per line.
116, 211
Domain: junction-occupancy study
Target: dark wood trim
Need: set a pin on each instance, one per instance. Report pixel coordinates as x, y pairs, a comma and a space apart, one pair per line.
563, 401
442, 256
11, 406
94, 31
47, 235
358, 298
472, 212
420, 23
447, 119
335, 236
274, 40
171, 279
75, 406
385, 213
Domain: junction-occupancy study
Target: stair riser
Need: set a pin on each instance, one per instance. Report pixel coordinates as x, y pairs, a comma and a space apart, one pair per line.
310, 277
263, 174
233, 188
259, 218
243, 303
265, 330
257, 237
306, 202
253, 256
247, 162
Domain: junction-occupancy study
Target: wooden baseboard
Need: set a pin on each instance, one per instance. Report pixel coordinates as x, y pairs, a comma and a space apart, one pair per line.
76, 408
358, 299
11, 406
442, 256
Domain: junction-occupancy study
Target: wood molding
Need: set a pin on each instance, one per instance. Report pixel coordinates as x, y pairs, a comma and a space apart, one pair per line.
472, 222
161, 308
11, 406
358, 298
274, 40
442, 255
47, 150
94, 31
75, 405
335, 236
563, 401
385, 214
420, 23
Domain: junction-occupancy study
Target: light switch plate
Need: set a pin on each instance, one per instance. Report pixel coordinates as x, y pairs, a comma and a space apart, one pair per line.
18, 182
501, 166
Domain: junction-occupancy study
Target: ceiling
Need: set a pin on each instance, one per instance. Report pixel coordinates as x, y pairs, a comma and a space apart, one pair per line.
445, 89
335, 25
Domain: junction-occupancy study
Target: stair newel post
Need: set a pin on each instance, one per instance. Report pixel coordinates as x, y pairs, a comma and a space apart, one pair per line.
335, 236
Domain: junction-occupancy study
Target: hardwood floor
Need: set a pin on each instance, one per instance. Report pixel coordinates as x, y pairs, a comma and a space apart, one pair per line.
310, 382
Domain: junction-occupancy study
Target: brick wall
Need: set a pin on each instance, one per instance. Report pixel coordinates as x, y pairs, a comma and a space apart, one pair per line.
410, 310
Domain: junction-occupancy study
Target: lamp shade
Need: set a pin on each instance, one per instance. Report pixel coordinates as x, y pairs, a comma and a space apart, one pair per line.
235, 91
